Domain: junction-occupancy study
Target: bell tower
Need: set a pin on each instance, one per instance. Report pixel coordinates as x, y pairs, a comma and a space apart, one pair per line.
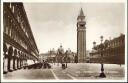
81, 37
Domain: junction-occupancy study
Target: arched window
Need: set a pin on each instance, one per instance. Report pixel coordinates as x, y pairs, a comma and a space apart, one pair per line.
5, 21
11, 28
8, 24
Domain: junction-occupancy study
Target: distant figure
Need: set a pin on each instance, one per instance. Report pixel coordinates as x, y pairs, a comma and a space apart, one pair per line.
63, 66
76, 59
46, 65
25, 65
120, 65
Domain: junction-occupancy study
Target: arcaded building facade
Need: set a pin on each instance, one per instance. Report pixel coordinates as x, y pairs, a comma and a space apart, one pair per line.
18, 41
113, 51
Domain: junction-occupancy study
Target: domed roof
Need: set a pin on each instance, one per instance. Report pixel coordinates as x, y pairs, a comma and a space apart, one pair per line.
60, 49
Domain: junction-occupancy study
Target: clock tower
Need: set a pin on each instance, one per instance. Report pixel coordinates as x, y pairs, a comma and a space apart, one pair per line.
81, 37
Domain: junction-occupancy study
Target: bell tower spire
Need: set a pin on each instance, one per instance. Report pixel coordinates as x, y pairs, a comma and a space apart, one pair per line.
81, 12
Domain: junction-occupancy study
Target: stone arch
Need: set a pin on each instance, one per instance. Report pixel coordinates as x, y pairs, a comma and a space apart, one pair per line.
10, 51
18, 60
21, 55
5, 67
14, 59
5, 49
18, 53
15, 52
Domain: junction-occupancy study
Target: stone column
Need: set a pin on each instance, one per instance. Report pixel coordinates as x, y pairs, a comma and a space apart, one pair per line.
5, 65
11, 63
16, 63
8, 64
10, 52
5, 59
24, 62
20, 63
14, 58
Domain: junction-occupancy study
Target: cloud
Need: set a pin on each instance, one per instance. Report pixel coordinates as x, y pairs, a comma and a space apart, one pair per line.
55, 23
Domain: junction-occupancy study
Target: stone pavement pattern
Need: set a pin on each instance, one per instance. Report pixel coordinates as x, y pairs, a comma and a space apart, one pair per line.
92, 71
31, 74
74, 71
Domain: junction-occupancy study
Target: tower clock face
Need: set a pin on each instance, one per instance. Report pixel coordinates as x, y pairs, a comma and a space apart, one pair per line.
79, 20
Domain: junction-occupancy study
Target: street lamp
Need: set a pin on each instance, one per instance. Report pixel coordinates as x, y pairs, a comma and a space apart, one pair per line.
66, 57
58, 58
94, 46
102, 65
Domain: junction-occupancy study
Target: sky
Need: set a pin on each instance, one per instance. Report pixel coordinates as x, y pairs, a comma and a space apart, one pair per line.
53, 24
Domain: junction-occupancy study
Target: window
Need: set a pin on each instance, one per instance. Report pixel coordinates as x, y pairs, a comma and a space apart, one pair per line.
10, 5
18, 18
82, 25
5, 24
26, 34
13, 8
10, 33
